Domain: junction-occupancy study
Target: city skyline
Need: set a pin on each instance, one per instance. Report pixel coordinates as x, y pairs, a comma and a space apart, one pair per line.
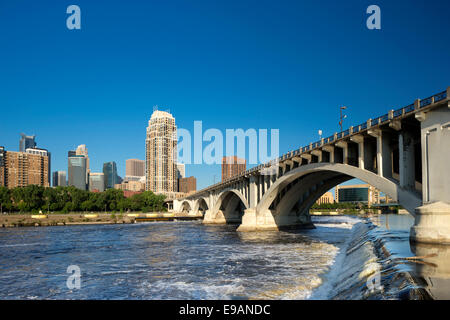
279, 72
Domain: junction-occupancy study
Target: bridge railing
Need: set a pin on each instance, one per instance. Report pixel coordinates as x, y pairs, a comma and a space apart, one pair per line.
360, 127
346, 132
426, 102
340, 135
440, 96
329, 139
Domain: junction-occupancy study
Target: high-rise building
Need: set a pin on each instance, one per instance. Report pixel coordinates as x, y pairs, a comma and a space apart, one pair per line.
21, 169
161, 153
2, 166
59, 179
83, 151
97, 181
134, 168
26, 142
110, 172
43, 152
181, 170
232, 166
181, 173
188, 185
77, 172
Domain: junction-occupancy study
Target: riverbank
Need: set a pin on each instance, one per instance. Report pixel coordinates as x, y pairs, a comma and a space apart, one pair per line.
45, 220
40, 220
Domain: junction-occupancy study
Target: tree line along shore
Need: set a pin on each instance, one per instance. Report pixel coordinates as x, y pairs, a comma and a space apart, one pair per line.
29, 220
35, 199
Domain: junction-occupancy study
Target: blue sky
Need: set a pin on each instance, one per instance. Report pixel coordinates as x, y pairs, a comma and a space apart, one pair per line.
287, 65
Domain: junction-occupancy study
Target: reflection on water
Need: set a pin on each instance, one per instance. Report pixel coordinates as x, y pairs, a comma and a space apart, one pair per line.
394, 222
429, 264
434, 268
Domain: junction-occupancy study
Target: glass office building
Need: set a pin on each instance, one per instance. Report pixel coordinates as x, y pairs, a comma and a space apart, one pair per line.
26, 142
96, 182
110, 172
363, 193
59, 179
354, 195
77, 172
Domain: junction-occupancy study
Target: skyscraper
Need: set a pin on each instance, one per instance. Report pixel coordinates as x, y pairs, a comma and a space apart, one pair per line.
232, 166
26, 142
134, 168
77, 172
83, 151
110, 172
181, 173
97, 181
181, 170
161, 153
59, 179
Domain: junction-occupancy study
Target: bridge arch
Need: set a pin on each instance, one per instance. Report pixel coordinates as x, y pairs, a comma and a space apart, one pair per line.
228, 208
320, 176
201, 205
222, 196
186, 206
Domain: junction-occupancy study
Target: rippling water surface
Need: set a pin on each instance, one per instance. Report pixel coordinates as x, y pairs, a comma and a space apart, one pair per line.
173, 260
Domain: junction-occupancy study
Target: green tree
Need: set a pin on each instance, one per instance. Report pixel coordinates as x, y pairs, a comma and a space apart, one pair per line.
5, 199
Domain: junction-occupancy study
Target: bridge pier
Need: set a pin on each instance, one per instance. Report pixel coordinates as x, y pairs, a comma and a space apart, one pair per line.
251, 221
432, 220
212, 217
432, 224
268, 221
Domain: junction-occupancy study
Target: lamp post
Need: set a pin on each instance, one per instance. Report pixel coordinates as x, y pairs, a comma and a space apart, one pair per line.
342, 116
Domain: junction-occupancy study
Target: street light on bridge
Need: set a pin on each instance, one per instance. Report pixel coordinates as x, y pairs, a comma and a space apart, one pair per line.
342, 117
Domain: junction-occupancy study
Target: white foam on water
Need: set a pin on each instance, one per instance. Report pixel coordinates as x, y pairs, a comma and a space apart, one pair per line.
326, 289
164, 289
353, 266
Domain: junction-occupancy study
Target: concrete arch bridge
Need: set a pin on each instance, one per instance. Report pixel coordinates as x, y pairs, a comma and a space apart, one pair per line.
404, 153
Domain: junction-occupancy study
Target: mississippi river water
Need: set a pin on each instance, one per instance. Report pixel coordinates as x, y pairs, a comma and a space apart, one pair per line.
188, 260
